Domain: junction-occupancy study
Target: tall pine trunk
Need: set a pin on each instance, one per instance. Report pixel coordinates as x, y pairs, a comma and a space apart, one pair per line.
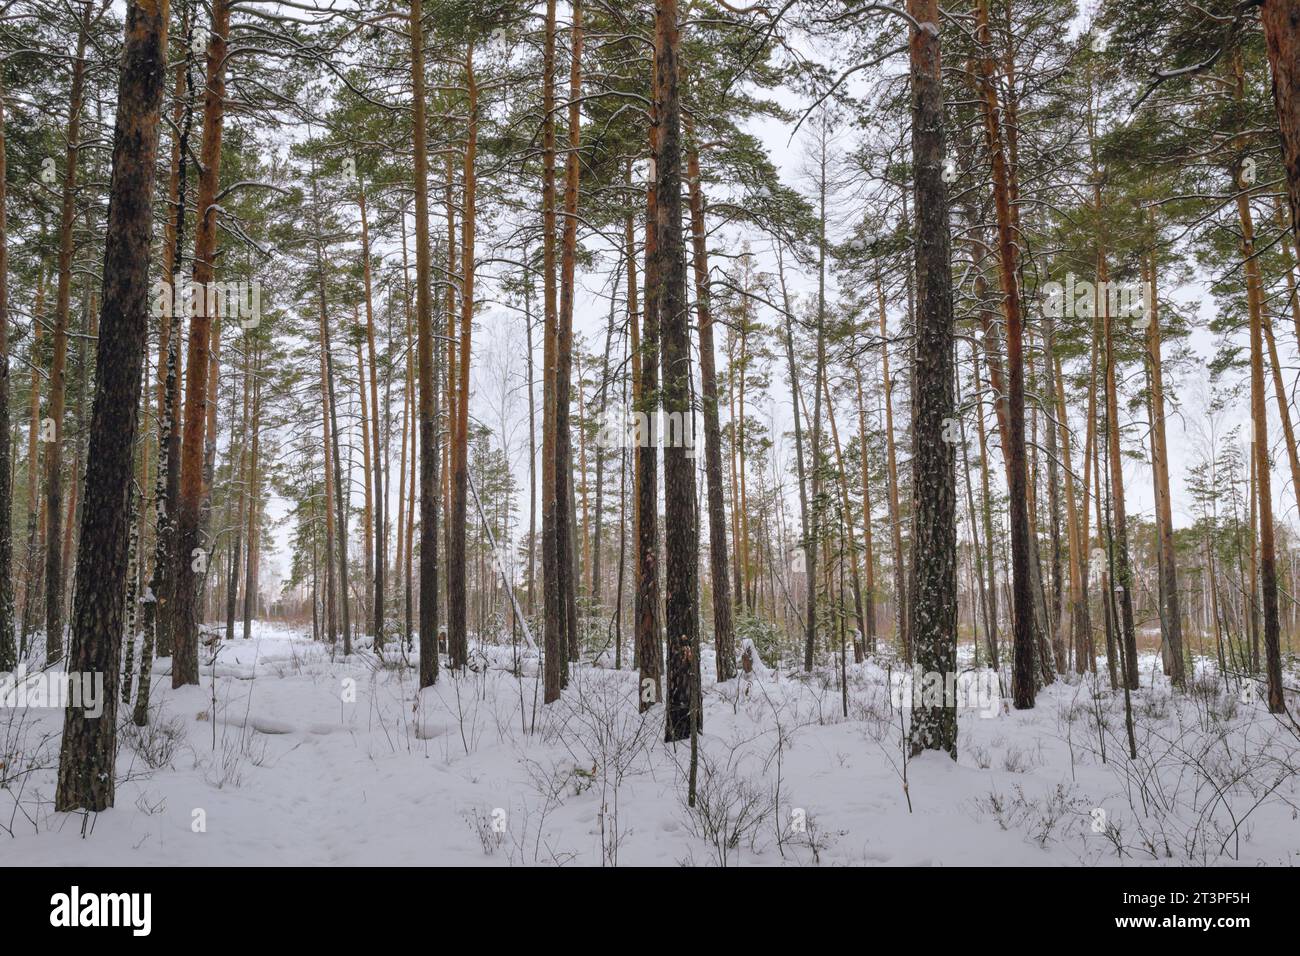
1262, 464
457, 582
163, 585
555, 633
649, 648
681, 539
1171, 619
89, 749
565, 519
723, 635
8, 650
428, 447
1123, 573
1024, 636
933, 607
58, 365
868, 560
812, 528
191, 554
895, 512
253, 494
380, 554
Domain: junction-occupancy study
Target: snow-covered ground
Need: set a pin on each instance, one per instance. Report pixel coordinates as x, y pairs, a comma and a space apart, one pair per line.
309, 759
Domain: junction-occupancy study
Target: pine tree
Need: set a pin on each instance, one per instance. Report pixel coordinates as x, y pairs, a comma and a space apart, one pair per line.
87, 774
932, 606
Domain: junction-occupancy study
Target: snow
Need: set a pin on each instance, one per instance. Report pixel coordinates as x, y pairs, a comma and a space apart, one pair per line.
313, 759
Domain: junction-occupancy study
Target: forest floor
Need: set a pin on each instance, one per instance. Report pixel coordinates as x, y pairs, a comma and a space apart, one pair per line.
309, 759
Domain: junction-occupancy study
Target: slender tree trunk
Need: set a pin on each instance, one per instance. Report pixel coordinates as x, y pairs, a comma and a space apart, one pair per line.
747, 581
555, 634
31, 576
1080, 624
649, 648
191, 552
340, 504
136, 518
428, 399
980, 603
1057, 619
58, 365
1263, 466
634, 359
597, 588
1024, 631
986, 512
380, 507
158, 603
801, 469
327, 454
1091, 481
369, 490
457, 582
209, 463
1250, 599
254, 512
812, 532
895, 513
724, 640
169, 369
8, 649
403, 570
245, 501
448, 332
564, 493
532, 437
1123, 576
1171, 620
869, 561
842, 472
